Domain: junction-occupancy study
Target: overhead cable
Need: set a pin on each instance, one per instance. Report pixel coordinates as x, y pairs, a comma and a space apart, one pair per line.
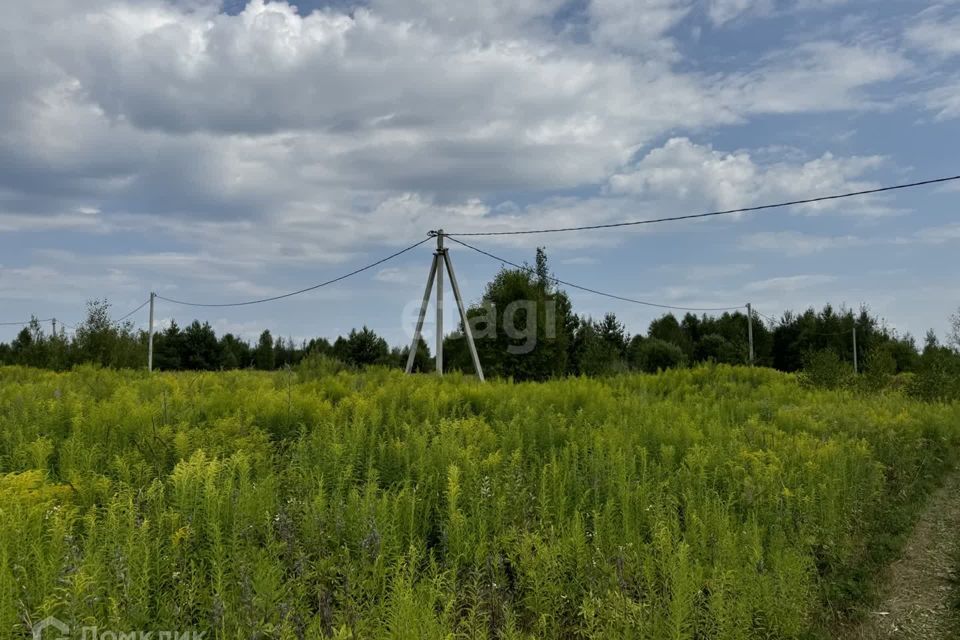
24, 324
588, 289
762, 207
298, 292
134, 311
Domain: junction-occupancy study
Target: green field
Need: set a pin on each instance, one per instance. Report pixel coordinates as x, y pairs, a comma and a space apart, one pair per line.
718, 502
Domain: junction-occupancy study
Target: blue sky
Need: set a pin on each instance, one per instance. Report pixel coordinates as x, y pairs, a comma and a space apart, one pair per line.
220, 152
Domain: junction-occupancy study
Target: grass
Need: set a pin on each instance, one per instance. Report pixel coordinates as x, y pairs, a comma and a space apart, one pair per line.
718, 502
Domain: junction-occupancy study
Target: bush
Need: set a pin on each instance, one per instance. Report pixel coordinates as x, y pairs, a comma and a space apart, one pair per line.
937, 377
879, 369
318, 365
824, 370
652, 355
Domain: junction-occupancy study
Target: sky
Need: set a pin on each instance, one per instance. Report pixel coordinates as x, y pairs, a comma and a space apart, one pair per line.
220, 152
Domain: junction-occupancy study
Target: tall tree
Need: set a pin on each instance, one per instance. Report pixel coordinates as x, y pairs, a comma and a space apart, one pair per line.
522, 325
167, 347
955, 330
201, 350
236, 353
263, 356
362, 348
100, 340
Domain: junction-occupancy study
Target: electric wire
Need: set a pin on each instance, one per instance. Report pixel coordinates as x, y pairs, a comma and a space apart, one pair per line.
294, 293
23, 324
588, 289
453, 237
119, 320
762, 207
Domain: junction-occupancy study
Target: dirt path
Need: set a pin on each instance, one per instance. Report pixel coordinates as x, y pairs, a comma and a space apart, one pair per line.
915, 601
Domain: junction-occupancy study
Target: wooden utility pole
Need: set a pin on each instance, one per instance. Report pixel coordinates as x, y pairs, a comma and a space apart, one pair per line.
150, 335
856, 367
441, 261
439, 257
750, 330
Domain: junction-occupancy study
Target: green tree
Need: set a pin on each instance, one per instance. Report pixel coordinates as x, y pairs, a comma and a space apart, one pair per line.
236, 353
100, 340
826, 370
362, 348
955, 331
614, 334
423, 361
669, 330
28, 347
522, 325
653, 354
263, 356
167, 348
937, 376
319, 346
201, 350
599, 348
879, 367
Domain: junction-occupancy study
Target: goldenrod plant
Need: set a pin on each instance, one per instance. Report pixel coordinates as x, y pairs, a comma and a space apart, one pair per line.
710, 503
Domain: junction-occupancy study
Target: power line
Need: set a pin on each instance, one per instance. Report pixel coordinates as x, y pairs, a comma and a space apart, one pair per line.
133, 312
713, 213
770, 318
24, 324
588, 289
294, 293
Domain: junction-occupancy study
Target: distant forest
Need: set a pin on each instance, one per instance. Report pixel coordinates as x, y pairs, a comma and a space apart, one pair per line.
545, 339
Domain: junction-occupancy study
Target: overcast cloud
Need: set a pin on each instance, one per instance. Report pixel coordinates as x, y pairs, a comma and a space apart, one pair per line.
227, 150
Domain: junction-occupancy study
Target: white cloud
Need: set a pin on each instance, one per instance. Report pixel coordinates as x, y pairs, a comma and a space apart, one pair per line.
944, 100
794, 243
270, 116
936, 34
403, 275
579, 261
715, 271
637, 25
699, 174
268, 141
722, 11
789, 283
939, 235
813, 77
65, 285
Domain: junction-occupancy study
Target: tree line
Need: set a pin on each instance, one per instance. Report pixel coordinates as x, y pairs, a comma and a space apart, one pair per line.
526, 329
100, 341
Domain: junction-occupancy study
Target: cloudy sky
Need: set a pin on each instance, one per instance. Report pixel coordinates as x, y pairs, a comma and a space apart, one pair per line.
218, 152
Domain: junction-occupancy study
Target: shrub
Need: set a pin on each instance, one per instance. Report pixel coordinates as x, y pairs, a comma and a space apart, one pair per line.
824, 370
318, 365
652, 355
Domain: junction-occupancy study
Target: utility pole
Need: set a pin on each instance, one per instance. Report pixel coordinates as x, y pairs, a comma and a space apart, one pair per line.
150, 335
53, 321
439, 256
441, 260
856, 368
423, 312
750, 330
467, 331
